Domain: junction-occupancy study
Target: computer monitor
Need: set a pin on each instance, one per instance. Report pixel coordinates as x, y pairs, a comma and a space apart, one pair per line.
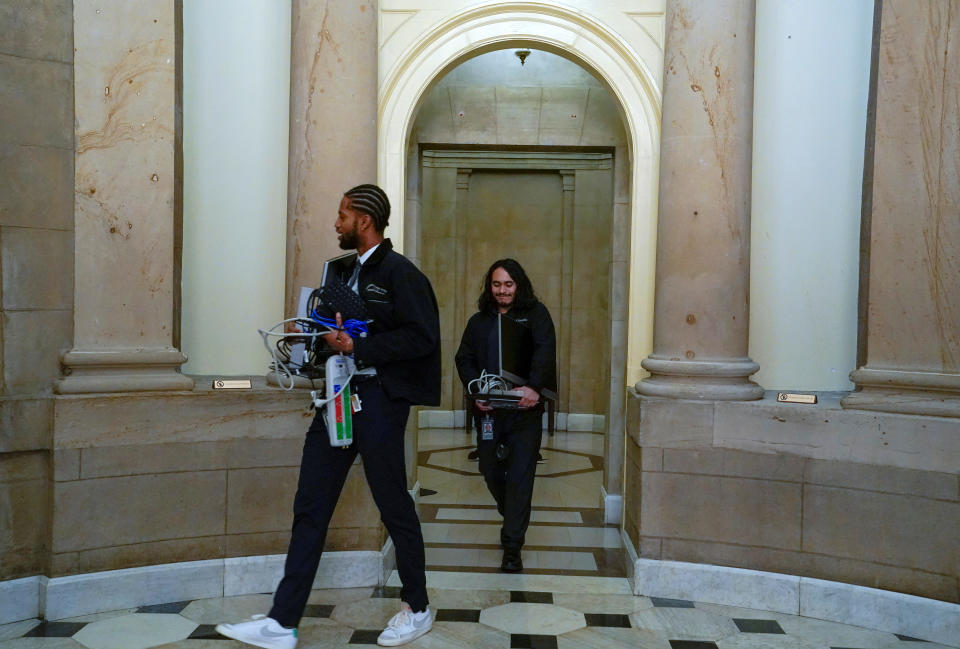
335, 267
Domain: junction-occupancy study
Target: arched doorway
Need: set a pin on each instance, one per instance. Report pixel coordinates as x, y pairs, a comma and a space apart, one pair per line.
599, 49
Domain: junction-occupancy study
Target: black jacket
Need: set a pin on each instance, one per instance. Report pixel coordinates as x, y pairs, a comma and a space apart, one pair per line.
474, 354
404, 339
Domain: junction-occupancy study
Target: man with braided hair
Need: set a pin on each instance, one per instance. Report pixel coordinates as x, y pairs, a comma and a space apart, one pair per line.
400, 363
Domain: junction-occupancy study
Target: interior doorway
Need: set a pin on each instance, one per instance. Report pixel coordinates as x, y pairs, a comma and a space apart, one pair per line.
519, 161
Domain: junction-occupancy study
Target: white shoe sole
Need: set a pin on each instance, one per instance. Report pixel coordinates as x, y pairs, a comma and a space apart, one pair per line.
256, 642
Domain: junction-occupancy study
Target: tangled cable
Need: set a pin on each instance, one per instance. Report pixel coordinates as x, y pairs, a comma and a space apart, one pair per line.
487, 383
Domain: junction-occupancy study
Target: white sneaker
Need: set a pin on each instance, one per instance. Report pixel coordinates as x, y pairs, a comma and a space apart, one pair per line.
260, 631
405, 626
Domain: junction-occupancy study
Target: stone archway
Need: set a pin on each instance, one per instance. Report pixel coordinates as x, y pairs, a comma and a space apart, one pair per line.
578, 36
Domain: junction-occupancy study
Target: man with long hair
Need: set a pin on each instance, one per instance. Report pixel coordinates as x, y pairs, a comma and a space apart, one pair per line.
508, 440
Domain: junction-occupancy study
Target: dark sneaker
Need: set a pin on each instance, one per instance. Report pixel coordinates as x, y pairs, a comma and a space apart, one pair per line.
511, 561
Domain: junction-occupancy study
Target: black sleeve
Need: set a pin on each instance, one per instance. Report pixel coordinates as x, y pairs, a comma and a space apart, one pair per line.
417, 330
468, 363
543, 365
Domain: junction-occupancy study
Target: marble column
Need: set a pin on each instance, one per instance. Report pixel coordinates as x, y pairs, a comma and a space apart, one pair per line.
333, 127
703, 243
125, 107
911, 322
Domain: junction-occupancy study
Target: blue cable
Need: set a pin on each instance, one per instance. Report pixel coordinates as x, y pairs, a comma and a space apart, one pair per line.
352, 326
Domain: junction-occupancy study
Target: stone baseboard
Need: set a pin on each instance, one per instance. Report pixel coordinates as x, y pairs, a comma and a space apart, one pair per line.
63, 597
918, 617
612, 507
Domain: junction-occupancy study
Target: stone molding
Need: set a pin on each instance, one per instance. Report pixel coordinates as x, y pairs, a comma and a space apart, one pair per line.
529, 160
122, 370
918, 617
906, 392
701, 380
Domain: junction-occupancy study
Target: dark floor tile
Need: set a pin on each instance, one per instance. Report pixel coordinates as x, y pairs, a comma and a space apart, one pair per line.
427, 492
692, 644
907, 638
206, 632
55, 629
525, 641
607, 619
531, 597
458, 615
389, 592
364, 636
663, 602
318, 610
757, 626
170, 607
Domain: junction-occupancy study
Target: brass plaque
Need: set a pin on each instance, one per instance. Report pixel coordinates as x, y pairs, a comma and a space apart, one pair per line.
791, 397
232, 384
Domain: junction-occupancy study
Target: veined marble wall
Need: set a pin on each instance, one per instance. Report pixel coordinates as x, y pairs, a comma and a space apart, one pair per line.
912, 318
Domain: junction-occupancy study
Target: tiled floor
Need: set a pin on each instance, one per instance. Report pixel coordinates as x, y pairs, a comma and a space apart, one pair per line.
573, 593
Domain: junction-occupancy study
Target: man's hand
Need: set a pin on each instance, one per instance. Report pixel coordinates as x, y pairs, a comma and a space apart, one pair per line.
339, 340
482, 406
529, 399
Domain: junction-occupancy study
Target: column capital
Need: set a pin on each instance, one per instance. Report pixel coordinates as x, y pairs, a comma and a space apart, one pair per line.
569, 178
463, 178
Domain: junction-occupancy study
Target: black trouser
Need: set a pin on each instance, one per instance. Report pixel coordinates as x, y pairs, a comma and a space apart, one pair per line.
378, 431
511, 480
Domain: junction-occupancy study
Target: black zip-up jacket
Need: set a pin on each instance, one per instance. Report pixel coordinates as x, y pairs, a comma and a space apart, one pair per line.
404, 339
474, 354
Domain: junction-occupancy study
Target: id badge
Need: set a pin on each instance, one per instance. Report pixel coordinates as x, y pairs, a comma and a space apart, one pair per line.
486, 428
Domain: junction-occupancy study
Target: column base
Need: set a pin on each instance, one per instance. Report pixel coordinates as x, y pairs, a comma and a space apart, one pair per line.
122, 370
700, 380
906, 392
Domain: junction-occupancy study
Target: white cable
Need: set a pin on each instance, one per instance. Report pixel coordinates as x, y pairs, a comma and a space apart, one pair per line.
277, 363
487, 383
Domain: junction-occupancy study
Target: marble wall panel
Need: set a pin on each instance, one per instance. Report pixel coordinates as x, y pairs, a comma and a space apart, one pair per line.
36, 186
260, 500
124, 63
714, 461
24, 498
34, 263
137, 554
41, 29
838, 522
26, 84
32, 344
26, 423
763, 513
204, 415
914, 307
89, 514
333, 127
884, 479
